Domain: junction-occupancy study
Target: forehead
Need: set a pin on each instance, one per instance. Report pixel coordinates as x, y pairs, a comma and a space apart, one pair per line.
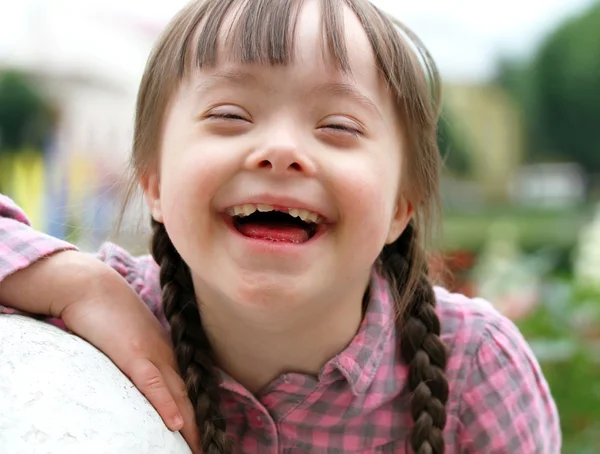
309, 45
287, 34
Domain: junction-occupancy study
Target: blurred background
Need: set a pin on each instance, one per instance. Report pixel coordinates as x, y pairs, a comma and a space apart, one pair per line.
520, 135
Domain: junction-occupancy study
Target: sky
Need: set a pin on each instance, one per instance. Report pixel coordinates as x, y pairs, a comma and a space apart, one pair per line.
465, 37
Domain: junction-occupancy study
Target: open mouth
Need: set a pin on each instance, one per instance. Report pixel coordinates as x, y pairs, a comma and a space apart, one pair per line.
263, 222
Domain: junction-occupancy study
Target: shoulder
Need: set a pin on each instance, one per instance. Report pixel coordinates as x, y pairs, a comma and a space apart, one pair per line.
472, 328
499, 396
141, 272
136, 267
467, 321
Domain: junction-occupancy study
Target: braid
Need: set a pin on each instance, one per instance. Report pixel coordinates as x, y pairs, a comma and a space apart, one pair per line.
421, 346
420, 343
192, 348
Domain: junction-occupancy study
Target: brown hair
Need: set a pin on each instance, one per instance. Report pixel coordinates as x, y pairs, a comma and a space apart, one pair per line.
263, 32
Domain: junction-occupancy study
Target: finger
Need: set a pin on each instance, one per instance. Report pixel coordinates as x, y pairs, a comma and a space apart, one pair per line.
190, 428
148, 379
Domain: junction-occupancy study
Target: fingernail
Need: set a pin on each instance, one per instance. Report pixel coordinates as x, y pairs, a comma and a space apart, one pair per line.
177, 422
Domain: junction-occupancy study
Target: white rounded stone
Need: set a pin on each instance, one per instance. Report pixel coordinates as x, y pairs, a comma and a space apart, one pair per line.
60, 395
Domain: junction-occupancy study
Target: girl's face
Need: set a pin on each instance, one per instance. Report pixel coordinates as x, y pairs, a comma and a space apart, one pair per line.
304, 138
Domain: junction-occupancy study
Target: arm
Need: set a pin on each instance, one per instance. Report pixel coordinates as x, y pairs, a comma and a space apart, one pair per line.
506, 404
99, 300
26, 253
20, 245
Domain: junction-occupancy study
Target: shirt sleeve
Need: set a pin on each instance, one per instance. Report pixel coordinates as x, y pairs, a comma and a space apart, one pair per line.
22, 246
506, 405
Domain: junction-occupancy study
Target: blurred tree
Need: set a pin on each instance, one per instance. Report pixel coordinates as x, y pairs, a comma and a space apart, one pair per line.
559, 93
516, 77
26, 121
25, 116
453, 146
566, 76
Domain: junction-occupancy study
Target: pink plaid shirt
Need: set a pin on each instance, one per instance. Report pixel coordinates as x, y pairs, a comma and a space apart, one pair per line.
499, 401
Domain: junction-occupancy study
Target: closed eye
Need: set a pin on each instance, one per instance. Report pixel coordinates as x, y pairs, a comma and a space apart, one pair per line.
228, 121
343, 128
225, 116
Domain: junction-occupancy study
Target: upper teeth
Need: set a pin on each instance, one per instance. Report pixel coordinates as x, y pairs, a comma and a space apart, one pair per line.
249, 208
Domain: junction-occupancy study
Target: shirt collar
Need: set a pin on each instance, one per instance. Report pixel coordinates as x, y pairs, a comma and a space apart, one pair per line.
359, 362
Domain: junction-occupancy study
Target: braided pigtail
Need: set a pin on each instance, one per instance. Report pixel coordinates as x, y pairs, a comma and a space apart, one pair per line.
192, 348
420, 344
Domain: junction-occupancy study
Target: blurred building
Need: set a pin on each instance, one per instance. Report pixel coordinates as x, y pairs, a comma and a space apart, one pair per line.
549, 185
491, 125
89, 68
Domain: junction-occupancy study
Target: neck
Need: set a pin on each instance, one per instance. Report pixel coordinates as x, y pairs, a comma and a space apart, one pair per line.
255, 346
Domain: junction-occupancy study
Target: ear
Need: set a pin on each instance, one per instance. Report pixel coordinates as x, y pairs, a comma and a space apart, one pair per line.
150, 183
402, 216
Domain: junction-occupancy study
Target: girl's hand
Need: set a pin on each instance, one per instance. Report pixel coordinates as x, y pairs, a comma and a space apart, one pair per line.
116, 321
97, 304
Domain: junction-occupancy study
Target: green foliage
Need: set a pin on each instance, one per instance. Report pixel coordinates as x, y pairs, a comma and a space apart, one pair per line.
559, 93
25, 116
453, 146
563, 333
517, 79
535, 228
566, 74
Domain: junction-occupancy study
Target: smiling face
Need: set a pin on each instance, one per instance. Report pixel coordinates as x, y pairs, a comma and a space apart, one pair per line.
320, 145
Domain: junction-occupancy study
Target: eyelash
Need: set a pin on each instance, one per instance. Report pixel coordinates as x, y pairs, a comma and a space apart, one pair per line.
336, 127
354, 132
226, 116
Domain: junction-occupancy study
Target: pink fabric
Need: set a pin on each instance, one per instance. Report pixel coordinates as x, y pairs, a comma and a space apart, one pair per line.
499, 401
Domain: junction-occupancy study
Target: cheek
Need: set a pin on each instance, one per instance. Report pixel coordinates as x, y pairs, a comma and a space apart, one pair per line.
189, 167
190, 175
368, 194
186, 187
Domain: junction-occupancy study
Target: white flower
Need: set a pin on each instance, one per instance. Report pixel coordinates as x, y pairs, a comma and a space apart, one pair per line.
587, 257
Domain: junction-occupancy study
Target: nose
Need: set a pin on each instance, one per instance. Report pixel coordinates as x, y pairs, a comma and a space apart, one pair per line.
281, 155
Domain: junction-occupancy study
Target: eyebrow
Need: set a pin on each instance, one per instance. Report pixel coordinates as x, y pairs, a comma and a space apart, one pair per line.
231, 76
239, 77
348, 91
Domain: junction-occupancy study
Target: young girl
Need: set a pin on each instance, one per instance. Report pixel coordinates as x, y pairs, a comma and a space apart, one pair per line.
287, 152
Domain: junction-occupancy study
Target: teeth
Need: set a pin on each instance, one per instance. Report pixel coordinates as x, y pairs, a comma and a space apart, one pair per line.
249, 208
304, 214
312, 217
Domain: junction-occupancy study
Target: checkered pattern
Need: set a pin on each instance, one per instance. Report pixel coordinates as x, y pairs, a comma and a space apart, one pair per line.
499, 401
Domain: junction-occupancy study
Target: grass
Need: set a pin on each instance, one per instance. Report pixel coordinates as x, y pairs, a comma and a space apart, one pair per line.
534, 228
574, 377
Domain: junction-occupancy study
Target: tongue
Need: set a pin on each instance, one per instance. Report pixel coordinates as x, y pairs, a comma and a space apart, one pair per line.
288, 233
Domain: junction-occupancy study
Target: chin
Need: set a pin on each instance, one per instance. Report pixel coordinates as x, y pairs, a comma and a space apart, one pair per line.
271, 292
